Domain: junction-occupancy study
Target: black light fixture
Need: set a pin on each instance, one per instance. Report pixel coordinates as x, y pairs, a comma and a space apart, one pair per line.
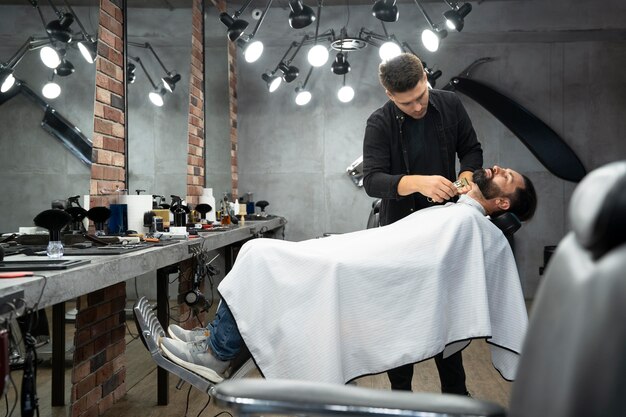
431, 37
345, 93
130, 73
290, 72
60, 29
155, 96
318, 54
431, 75
64, 69
254, 49
235, 26
272, 80
172, 77
170, 81
303, 96
301, 15
386, 10
455, 18
340, 66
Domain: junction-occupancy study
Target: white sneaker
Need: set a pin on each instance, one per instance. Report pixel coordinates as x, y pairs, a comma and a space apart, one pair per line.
195, 356
196, 335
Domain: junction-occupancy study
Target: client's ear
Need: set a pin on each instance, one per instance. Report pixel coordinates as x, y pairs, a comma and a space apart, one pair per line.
503, 203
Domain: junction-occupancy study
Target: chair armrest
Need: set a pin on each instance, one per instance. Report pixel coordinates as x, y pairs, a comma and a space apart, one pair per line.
275, 396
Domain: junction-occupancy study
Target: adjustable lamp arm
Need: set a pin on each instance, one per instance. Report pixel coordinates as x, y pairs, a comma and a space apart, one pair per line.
428, 19
242, 9
137, 60
148, 46
82, 28
308, 75
31, 43
258, 24
56, 11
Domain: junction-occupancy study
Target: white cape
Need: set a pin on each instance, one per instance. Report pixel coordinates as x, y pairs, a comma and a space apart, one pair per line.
336, 308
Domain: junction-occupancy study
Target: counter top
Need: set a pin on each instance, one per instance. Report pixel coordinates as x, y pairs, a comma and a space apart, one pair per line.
103, 271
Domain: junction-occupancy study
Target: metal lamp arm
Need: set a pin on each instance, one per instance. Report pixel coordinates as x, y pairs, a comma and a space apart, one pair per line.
242, 9
428, 19
260, 22
137, 60
82, 28
31, 43
148, 46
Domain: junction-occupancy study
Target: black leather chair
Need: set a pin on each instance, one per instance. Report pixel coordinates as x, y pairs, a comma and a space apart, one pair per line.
573, 362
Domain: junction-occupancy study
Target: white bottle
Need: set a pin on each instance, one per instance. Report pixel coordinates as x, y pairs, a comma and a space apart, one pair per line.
208, 198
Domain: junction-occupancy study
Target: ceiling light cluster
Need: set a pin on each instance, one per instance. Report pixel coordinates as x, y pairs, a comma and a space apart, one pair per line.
53, 48
301, 16
168, 82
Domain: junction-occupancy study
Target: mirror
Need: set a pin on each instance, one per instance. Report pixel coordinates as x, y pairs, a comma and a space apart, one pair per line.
157, 136
37, 165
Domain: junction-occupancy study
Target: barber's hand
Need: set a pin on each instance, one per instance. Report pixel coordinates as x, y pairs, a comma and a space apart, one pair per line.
436, 188
465, 189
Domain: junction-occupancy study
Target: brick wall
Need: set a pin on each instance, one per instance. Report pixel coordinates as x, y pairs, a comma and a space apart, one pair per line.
99, 373
195, 152
108, 167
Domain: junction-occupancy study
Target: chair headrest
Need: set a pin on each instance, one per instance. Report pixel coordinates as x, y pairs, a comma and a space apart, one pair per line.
508, 222
597, 209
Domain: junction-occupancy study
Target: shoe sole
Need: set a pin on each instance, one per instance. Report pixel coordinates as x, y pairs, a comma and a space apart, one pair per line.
173, 336
203, 371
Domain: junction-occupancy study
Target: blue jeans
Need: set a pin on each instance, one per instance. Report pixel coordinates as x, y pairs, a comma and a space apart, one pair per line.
225, 340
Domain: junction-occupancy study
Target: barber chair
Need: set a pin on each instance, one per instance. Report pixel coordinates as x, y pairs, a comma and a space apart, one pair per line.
573, 363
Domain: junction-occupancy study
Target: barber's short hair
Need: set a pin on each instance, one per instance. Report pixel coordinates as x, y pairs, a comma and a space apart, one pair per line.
401, 73
524, 200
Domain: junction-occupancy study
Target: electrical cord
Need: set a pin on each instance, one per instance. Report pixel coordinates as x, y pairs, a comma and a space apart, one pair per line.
16, 396
223, 412
204, 408
187, 404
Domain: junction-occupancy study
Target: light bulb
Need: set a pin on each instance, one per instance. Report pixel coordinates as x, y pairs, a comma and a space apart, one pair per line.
430, 40
253, 51
389, 50
7, 84
275, 84
50, 57
51, 90
345, 94
303, 97
86, 52
318, 55
156, 98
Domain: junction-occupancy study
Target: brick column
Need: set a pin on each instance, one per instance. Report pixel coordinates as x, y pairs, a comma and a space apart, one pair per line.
108, 159
195, 148
99, 373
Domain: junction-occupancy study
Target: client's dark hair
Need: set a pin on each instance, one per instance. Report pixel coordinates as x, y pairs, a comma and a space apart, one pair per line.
524, 200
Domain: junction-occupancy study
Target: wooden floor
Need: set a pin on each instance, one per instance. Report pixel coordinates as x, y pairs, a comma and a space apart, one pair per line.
483, 382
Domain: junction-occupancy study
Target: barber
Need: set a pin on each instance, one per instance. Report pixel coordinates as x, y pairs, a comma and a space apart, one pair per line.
409, 154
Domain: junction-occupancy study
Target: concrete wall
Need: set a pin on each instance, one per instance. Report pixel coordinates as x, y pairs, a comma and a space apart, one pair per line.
561, 61
35, 168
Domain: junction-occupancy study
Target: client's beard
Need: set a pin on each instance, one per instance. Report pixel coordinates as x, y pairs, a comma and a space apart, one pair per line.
487, 187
